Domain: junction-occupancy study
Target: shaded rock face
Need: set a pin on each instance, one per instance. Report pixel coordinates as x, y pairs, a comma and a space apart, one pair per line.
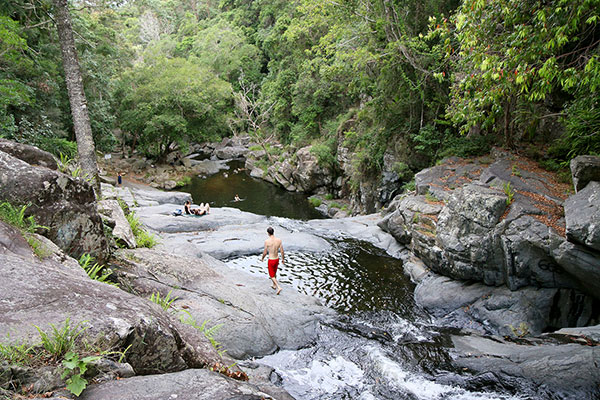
582, 213
303, 175
500, 311
192, 384
571, 370
254, 321
461, 225
30, 154
114, 318
64, 204
309, 175
585, 169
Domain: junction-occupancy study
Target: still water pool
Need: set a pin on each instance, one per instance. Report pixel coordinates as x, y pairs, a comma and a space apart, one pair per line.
257, 196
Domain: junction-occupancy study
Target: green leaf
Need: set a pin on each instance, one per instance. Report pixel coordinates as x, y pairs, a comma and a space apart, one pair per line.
76, 384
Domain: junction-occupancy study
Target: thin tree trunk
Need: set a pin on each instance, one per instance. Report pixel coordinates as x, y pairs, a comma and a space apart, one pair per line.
77, 100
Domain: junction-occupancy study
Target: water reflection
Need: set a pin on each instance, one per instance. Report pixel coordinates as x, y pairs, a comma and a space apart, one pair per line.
355, 276
257, 196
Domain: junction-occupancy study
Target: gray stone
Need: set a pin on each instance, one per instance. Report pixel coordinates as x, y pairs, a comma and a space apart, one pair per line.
156, 342
585, 169
309, 175
64, 204
169, 184
253, 320
209, 167
122, 230
588, 332
491, 310
527, 246
160, 219
571, 370
441, 180
137, 196
30, 154
191, 384
583, 264
464, 233
229, 152
582, 215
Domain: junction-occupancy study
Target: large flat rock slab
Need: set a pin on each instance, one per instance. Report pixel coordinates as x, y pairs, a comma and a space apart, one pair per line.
191, 384
254, 321
160, 218
141, 196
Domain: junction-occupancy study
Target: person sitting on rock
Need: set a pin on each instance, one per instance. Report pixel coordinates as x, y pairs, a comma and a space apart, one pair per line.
188, 207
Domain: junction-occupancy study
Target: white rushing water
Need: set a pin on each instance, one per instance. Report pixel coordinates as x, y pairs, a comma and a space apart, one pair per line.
337, 377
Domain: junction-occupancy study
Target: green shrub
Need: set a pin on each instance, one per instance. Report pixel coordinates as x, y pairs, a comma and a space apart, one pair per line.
186, 180
403, 171
57, 146
325, 153
335, 205
209, 333
409, 186
164, 302
74, 371
315, 201
15, 216
61, 340
142, 238
328, 196
96, 271
509, 193
430, 197
20, 354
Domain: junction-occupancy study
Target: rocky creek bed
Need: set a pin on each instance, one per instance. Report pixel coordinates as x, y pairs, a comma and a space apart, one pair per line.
477, 264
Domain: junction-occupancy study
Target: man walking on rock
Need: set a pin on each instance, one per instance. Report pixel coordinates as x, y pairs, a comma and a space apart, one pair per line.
273, 245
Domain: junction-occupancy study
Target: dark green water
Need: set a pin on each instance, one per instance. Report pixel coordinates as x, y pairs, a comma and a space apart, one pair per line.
257, 196
353, 277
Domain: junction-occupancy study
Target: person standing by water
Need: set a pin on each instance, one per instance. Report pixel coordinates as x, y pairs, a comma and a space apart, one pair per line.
272, 246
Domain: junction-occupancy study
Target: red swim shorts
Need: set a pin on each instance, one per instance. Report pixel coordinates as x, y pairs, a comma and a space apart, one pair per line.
273, 267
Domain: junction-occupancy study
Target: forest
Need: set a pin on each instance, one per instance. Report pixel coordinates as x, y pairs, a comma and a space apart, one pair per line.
428, 79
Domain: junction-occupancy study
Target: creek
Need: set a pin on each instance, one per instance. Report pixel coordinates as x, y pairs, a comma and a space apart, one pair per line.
380, 345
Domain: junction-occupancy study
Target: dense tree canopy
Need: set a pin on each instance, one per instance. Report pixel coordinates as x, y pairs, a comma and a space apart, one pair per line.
421, 79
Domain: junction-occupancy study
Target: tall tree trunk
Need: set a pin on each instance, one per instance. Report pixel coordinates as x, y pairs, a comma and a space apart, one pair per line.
79, 110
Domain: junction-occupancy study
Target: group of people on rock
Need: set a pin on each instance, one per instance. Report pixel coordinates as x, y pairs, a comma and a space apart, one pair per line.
203, 208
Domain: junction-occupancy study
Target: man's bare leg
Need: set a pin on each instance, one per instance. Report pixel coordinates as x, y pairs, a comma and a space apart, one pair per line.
276, 285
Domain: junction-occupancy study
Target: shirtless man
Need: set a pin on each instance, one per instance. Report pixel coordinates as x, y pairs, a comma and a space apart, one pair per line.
272, 246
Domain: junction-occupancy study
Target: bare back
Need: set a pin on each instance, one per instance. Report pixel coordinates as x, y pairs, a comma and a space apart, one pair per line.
273, 246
